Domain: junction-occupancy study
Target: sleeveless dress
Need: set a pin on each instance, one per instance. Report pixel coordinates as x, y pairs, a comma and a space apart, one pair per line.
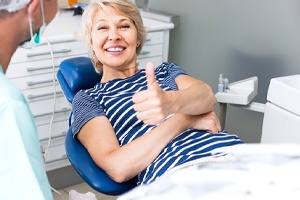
113, 99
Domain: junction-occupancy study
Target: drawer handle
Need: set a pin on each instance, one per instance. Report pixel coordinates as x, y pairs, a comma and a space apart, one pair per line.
58, 159
56, 112
144, 53
148, 40
31, 97
47, 53
63, 134
31, 69
31, 83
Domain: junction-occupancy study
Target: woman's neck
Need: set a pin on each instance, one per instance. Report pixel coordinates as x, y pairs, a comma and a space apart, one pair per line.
111, 74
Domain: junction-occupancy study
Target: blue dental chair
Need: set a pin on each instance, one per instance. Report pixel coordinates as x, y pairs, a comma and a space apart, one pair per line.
73, 75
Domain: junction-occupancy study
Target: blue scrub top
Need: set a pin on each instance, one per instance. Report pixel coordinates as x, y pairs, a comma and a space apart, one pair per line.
22, 172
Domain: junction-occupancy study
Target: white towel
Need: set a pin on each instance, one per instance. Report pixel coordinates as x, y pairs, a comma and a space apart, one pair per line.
74, 195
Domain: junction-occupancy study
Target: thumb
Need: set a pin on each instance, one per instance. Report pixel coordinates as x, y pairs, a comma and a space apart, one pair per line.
150, 74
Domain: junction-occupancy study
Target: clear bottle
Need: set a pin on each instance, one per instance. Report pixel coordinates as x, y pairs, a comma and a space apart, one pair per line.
221, 84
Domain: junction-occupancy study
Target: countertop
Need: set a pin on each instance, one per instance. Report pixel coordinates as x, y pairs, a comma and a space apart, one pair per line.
66, 27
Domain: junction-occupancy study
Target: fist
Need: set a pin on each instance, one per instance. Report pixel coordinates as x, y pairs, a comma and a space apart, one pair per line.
151, 104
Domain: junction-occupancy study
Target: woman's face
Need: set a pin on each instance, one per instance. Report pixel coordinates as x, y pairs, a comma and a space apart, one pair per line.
114, 39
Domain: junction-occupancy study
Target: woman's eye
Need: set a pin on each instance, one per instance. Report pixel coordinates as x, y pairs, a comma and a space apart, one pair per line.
102, 27
125, 26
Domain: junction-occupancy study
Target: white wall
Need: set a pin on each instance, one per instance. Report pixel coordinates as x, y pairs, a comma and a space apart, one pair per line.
239, 39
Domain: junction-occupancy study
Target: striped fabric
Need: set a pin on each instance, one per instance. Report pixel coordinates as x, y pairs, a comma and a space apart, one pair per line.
114, 100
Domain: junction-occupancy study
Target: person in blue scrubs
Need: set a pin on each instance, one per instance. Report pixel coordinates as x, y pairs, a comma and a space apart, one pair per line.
22, 173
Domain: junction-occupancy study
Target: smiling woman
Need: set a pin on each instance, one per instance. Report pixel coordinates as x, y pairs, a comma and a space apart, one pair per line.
141, 123
114, 41
118, 26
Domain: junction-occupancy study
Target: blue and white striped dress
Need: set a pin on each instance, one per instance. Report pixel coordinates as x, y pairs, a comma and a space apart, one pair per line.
113, 99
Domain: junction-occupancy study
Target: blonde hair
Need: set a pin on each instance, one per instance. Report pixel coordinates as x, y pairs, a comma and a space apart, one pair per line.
125, 7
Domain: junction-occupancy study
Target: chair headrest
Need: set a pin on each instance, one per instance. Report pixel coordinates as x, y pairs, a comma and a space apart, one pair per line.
75, 74
79, 73
69, 94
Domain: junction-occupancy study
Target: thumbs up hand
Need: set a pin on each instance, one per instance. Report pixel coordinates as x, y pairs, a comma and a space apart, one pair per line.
152, 105
150, 75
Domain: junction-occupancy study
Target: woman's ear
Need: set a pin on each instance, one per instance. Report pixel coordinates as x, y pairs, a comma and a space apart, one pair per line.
138, 43
32, 7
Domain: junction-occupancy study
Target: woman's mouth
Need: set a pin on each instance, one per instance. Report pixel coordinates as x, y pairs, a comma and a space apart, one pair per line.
115, 49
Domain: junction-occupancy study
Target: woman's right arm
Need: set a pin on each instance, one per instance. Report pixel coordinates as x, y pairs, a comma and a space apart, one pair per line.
122, 163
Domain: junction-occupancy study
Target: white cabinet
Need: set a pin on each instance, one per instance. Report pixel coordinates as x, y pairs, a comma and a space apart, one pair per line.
34, 73
152, 49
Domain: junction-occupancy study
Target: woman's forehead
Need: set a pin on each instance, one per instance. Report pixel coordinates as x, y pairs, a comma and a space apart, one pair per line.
109, 14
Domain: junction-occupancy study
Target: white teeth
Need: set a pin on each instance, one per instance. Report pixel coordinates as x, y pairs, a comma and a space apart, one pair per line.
117, 49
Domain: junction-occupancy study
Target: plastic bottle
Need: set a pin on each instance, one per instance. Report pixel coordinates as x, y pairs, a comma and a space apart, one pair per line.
226, 83
71, 2
221, 84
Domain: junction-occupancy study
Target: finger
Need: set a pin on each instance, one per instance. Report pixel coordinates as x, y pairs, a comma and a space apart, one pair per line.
150, 75
217, 129
150, 116
213, 130
140, 106
139, 97
218, 124
146, 118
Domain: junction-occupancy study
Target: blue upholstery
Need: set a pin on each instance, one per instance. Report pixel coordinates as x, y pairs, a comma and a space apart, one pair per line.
69, 94
89, 171
75, 74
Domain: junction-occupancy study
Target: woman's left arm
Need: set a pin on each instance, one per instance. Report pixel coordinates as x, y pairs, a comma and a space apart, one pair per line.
193, 97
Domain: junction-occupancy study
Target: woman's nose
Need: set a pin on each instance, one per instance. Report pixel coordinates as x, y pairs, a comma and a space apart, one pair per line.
114, 34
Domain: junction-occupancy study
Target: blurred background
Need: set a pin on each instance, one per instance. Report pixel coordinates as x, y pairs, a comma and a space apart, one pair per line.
238, 39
